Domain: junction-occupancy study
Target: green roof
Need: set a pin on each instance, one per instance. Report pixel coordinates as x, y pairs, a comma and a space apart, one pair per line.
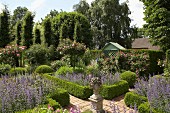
113, 46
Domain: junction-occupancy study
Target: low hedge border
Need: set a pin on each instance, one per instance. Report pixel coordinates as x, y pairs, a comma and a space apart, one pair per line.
145, 108
117, 89
131, 98
84, 92
61, 96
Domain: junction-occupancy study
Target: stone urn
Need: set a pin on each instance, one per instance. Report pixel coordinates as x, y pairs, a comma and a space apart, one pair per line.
96, 99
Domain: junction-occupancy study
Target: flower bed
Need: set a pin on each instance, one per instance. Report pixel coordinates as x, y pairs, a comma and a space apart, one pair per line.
28, 91
155, 90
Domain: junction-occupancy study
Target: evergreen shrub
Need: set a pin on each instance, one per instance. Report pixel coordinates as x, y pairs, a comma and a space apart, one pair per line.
44, 69
61, 96
82, 92
130, 77
132, 99
117, 89
64, 70
55, 105
17, 70
4, 69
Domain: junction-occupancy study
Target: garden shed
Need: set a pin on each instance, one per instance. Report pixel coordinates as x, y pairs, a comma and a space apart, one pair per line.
111, 48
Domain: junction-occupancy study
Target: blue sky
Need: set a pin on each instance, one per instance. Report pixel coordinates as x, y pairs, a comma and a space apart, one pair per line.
43, 7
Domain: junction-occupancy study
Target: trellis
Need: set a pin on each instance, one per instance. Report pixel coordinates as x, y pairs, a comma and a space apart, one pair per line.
110, 53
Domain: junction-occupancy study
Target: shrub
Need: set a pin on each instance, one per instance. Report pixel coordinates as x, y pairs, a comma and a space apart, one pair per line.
18, 70
64, 70
145, 108
53, 103
61, 96
44, 69
4, 69
37, 55
57, 64
117, 89
132, 99
83, 92
11, 54
130, 77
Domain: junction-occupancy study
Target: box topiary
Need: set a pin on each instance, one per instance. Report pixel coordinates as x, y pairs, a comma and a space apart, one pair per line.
4, 69
64, 70
61, 96
145, 108
44, 69
117, 89
17, 70
130, 77
132, 99
55, 105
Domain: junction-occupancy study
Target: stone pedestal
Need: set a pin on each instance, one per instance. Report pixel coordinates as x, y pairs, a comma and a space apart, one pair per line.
96, 103
96, 99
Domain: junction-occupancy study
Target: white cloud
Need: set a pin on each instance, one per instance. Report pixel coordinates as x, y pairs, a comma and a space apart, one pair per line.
37, 4
89, 1
137, 15
1, 7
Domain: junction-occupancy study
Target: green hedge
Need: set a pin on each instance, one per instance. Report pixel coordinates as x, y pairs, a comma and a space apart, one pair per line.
132, 98
83, 92
44, 69
61, 96
145, 108
55, 105
153, 58
17, 70
117, 89
130, 77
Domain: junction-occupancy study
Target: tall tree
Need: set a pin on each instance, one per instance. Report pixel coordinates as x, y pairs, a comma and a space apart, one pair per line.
27, 28
110, 21
18, 15
47, 31
37, 34
157, 17
82, 7
18, 32
4, 27
73, 25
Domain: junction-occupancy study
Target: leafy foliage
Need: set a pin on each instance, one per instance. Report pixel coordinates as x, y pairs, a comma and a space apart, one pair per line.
4, 69
110, 22
130, 77
47, 31
18, 71
73, 26
132, 99
11, 54
44, 69
157, 23
4, 27
72, 48
27, 28
37, 55
37, 34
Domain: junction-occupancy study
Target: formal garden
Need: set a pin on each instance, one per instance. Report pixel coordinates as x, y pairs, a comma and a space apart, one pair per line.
43, 63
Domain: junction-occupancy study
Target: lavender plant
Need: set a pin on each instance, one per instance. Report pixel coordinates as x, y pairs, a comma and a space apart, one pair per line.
82, 79
159, 94
23, 92
157, 90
